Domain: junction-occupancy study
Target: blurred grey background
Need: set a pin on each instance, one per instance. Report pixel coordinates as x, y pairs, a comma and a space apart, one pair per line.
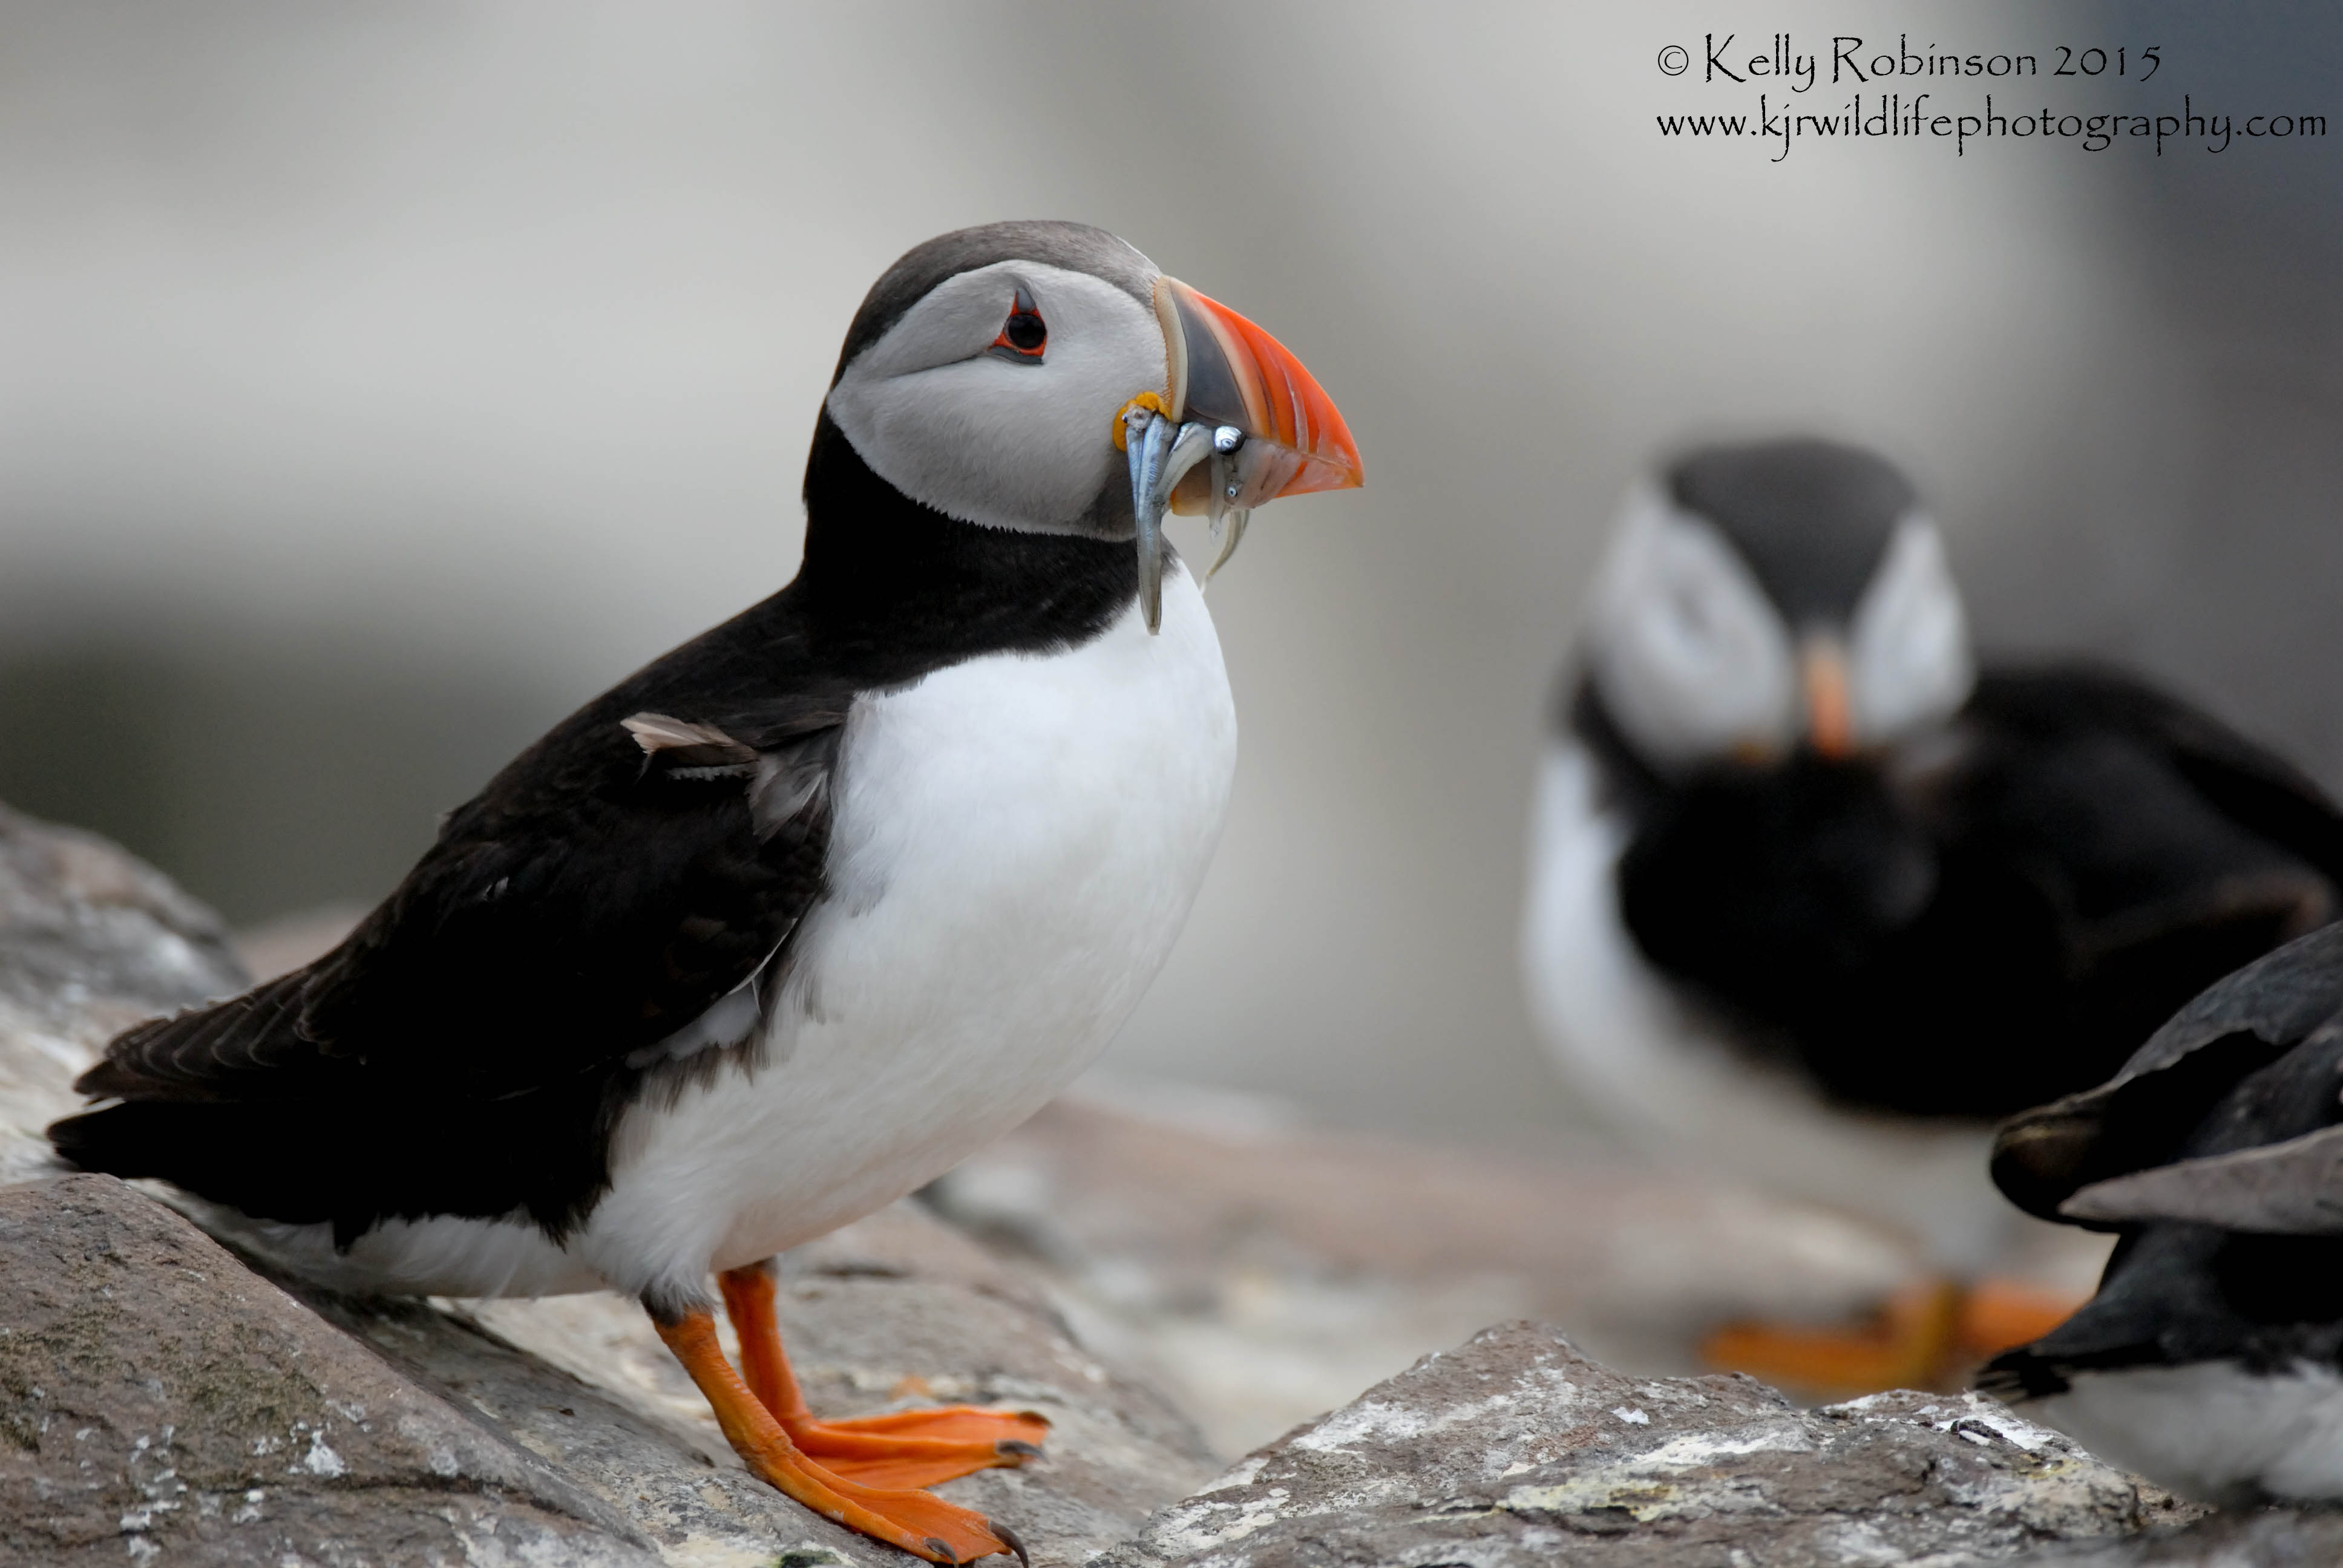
378, 382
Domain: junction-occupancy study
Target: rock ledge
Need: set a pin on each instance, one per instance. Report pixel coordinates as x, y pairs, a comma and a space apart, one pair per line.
1515, 1449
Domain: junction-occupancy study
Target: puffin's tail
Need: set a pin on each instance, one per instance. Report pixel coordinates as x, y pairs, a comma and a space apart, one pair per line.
216, 1099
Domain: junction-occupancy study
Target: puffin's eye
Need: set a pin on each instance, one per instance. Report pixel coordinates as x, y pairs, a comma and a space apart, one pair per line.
1023, 335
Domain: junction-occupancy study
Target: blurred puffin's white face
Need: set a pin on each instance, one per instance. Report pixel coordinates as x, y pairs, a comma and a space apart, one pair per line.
1907, 646
1696, 663
1689, 655
994, 399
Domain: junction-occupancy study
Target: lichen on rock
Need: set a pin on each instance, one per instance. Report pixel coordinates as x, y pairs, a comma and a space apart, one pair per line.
1516, 1448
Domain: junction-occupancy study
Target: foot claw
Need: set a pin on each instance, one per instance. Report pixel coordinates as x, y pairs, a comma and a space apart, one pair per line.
1018, 1447
942, 1549
1009, 1538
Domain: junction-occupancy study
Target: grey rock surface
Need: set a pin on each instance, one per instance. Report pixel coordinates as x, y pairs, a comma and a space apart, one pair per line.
91, 941
1515, 1449
158, 1398
1266, 1271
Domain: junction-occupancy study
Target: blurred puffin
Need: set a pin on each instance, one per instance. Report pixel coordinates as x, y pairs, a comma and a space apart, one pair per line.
1813, 899
2211, 1360
788, 921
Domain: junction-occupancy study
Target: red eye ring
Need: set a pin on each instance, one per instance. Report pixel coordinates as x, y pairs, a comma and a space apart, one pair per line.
1024, 336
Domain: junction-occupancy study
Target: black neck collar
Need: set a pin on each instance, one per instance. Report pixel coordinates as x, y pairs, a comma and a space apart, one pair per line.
886, 579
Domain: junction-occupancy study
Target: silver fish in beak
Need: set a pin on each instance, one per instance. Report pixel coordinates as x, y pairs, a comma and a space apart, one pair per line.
1241, 424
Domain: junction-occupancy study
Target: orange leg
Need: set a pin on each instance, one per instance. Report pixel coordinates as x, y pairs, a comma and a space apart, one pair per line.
1930, 1336
903, 1448
2002, 1314
1910, 1345
917, 1522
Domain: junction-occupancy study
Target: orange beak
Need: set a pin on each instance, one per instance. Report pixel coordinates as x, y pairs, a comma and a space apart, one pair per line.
1226, 372
1830, 707
1241, 423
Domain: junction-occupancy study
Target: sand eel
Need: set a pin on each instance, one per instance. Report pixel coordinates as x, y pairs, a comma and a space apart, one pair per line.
2211, 1360
1815, 900
790, 920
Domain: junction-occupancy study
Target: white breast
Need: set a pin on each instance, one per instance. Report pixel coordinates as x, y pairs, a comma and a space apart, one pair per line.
1017, 843
1662, 1070
2212, 1431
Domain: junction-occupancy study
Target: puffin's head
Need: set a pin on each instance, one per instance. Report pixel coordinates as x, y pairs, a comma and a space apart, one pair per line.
1760, 597
1046, 377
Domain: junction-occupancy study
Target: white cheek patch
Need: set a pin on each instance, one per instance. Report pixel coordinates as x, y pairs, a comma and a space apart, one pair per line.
1689, 657
1028, 446
1909, 661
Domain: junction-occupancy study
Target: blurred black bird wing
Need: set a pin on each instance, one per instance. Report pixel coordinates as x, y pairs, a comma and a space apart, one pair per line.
2153, 850
2255, 838
1999, 915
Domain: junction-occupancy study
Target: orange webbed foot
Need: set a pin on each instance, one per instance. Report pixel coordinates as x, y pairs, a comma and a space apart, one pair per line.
917, 1522
902, 1448
921, 1447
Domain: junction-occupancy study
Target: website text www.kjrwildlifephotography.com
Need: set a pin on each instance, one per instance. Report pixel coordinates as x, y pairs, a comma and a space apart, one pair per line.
1888, 103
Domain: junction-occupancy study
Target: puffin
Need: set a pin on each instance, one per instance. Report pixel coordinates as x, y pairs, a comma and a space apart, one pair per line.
2211, 1359
785, 924
1814, 898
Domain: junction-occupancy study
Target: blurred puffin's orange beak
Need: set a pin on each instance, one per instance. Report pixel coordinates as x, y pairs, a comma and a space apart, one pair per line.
1830, 704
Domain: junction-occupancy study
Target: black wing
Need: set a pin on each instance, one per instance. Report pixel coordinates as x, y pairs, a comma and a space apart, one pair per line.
2231, 1249
1995, 928
2148, 1114
468, 1049
2174, 1294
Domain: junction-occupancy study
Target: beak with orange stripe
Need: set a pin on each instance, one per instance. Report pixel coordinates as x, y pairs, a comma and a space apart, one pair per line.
1239, 424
